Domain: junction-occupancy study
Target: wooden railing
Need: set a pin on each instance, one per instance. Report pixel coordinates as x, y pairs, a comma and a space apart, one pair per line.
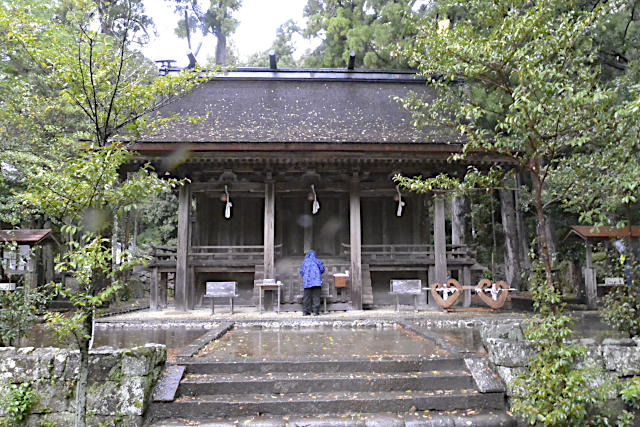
213, 254
395, 252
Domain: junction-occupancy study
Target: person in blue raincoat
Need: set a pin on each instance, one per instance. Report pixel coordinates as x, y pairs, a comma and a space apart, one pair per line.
311, 271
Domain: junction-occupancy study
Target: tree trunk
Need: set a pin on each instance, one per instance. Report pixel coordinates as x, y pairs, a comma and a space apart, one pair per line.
221, 49
83, 373
541, 227
509, 226
458, 220
523, 238
632, 256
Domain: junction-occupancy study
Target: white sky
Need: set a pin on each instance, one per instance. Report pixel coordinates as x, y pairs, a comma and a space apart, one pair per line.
259, 20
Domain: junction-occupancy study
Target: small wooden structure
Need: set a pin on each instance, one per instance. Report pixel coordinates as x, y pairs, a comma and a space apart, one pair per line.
590, 234
26, 260
268, 285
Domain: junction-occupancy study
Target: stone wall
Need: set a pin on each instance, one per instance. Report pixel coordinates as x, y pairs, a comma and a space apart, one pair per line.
120, 383
508, 352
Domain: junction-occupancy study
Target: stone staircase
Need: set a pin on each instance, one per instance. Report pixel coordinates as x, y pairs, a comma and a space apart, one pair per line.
317, 389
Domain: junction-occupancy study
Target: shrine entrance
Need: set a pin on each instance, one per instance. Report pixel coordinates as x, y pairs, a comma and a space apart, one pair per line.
299, 230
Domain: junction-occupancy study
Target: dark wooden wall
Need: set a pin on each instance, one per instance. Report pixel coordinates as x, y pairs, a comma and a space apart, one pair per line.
213, 229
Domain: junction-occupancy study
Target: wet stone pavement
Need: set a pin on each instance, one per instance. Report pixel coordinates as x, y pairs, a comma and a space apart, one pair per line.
389, 343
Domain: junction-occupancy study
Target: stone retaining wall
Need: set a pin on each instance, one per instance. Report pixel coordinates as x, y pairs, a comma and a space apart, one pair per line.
120, 383
508, 352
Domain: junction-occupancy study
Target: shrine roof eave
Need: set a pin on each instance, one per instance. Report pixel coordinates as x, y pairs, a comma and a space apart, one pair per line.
25, 236
161, 149
169, 147
586, 232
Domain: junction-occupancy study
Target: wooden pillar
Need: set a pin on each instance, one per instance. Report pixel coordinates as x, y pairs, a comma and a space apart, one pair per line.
439, 239
154, 291
458, 237
590, 283
355, 242
162, 291
466, 281
182, 284
416, 218
269, 229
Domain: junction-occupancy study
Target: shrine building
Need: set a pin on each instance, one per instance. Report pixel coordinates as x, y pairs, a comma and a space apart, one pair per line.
283, 161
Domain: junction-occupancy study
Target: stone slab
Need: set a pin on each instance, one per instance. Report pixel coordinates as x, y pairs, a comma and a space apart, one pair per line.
165, 390
198, 344
486, 380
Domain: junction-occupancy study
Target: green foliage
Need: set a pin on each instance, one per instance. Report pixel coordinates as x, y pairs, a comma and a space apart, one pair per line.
282, 46
630, 393
622, 309
216, 19
519, 81
377, 30
557, 387
18, 314
17, 403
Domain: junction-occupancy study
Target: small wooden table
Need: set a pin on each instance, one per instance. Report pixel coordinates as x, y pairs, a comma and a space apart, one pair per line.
268, 285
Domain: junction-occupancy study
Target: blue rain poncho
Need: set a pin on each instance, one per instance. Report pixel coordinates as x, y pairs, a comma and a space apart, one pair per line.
311, 270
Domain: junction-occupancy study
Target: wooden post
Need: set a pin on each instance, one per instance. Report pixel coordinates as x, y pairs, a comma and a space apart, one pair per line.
153, 292
439, 239
162, 292
355, 242
269, 229
466, 281
590, 283
182, 259
458, 237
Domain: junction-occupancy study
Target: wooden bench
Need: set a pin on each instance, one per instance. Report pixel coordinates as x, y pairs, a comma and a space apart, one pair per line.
221, 290
406, 287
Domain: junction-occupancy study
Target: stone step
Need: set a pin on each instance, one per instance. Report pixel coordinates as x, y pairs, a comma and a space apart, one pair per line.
285, 382
248, 367
225, 406
417, 419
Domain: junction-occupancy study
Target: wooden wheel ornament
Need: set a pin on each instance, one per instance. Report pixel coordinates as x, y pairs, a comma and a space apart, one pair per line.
451, 291
493, 294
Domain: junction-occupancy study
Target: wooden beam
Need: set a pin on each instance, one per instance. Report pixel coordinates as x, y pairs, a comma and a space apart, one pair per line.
440, 241
289, 147
269, 230
356, 243
182, 261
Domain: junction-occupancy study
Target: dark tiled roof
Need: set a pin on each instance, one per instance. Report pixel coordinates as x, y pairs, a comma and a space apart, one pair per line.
24, 236
587, 231
312, 107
